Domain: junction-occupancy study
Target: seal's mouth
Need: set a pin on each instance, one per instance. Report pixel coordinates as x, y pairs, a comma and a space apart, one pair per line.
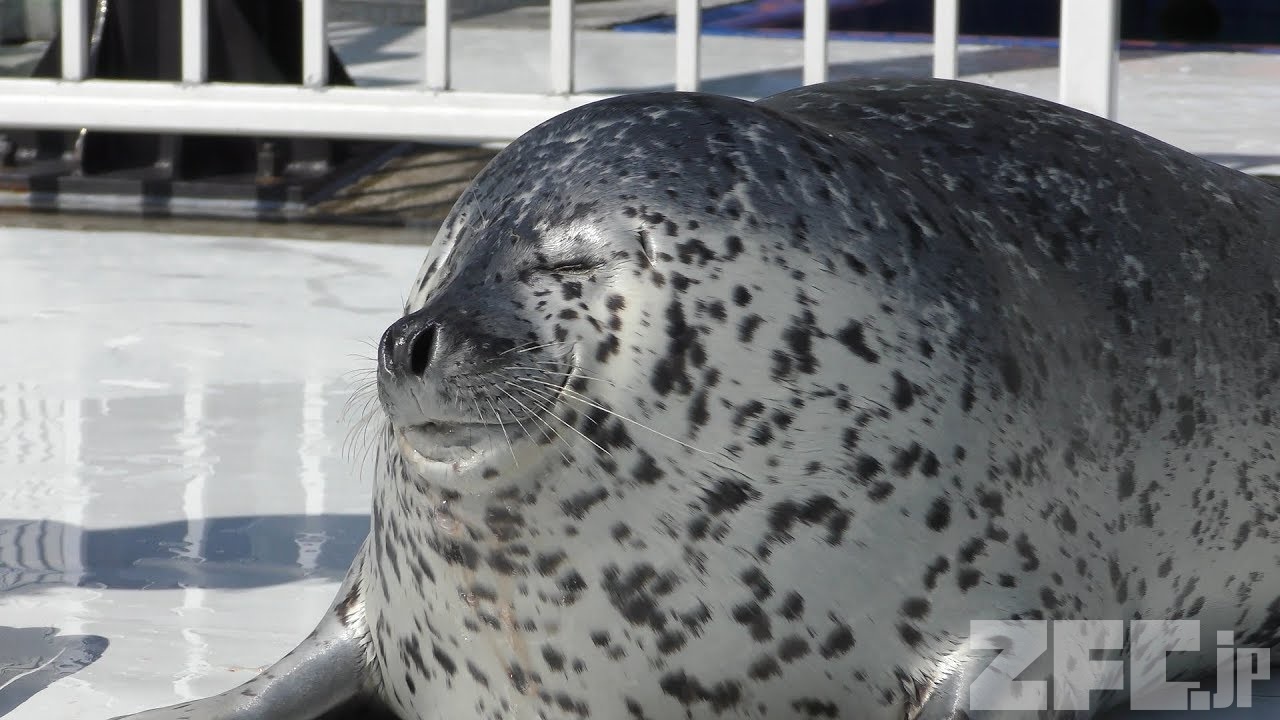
464, 443
449, 442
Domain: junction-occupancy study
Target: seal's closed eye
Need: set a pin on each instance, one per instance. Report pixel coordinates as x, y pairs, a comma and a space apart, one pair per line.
573, 265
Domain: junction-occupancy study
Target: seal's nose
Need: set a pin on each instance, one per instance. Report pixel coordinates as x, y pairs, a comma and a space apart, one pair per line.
408, 346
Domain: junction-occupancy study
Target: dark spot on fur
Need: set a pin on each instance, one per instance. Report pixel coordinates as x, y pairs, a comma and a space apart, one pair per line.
852, 338
902, 391
727, 495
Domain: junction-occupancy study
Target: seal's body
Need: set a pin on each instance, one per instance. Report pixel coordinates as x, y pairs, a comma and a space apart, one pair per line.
705, 408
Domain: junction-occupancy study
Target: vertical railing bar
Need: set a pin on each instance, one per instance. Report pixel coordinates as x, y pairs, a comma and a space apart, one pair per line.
1089, 55
815, 41
315, 50
437, 55
561, 47
946, 29
688, 45
195, 54
75, 39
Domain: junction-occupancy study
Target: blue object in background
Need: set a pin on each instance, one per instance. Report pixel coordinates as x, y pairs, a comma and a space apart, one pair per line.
1182, 24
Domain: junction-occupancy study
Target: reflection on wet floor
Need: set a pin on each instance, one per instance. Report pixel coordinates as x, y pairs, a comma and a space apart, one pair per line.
228, 553
180, 485
238, 435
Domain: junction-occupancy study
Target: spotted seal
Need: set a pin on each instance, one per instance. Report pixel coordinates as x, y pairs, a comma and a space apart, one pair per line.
706, 408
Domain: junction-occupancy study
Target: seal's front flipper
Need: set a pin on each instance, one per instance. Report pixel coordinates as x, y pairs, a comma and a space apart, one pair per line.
948, 698
326, 676
978, 686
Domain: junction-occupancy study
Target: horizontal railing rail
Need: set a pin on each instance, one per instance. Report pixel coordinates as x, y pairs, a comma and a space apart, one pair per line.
435, 111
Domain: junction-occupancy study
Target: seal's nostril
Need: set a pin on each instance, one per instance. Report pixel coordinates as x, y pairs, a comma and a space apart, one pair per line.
420, 349
386, 348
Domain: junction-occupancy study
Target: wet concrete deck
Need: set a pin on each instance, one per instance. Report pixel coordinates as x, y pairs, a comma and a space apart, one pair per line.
176, 506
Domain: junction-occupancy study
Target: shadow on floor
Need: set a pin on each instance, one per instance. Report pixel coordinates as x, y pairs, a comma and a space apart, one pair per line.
223, 553
1243, 162
32, 658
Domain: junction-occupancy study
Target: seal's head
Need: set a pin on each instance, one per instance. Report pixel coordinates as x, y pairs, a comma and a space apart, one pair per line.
575, 291
472, 376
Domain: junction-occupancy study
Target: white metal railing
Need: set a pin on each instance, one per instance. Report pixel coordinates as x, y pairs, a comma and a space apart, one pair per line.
815, 41
1090, 55
435, 111
688, 44
75, 40
195, 50
437, 54
946, 28
315, 49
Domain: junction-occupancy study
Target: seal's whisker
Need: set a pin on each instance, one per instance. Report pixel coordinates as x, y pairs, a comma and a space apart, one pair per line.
546, 400
550, 400
358, 427
543, 405
563, 374
534, 415
362, 393
372, 411
547, 362
531, 348
361, 371
375, 444
363, 403
514, 417
359, 457
362, 382
502, 425
360, 375
368, 406
572, 395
